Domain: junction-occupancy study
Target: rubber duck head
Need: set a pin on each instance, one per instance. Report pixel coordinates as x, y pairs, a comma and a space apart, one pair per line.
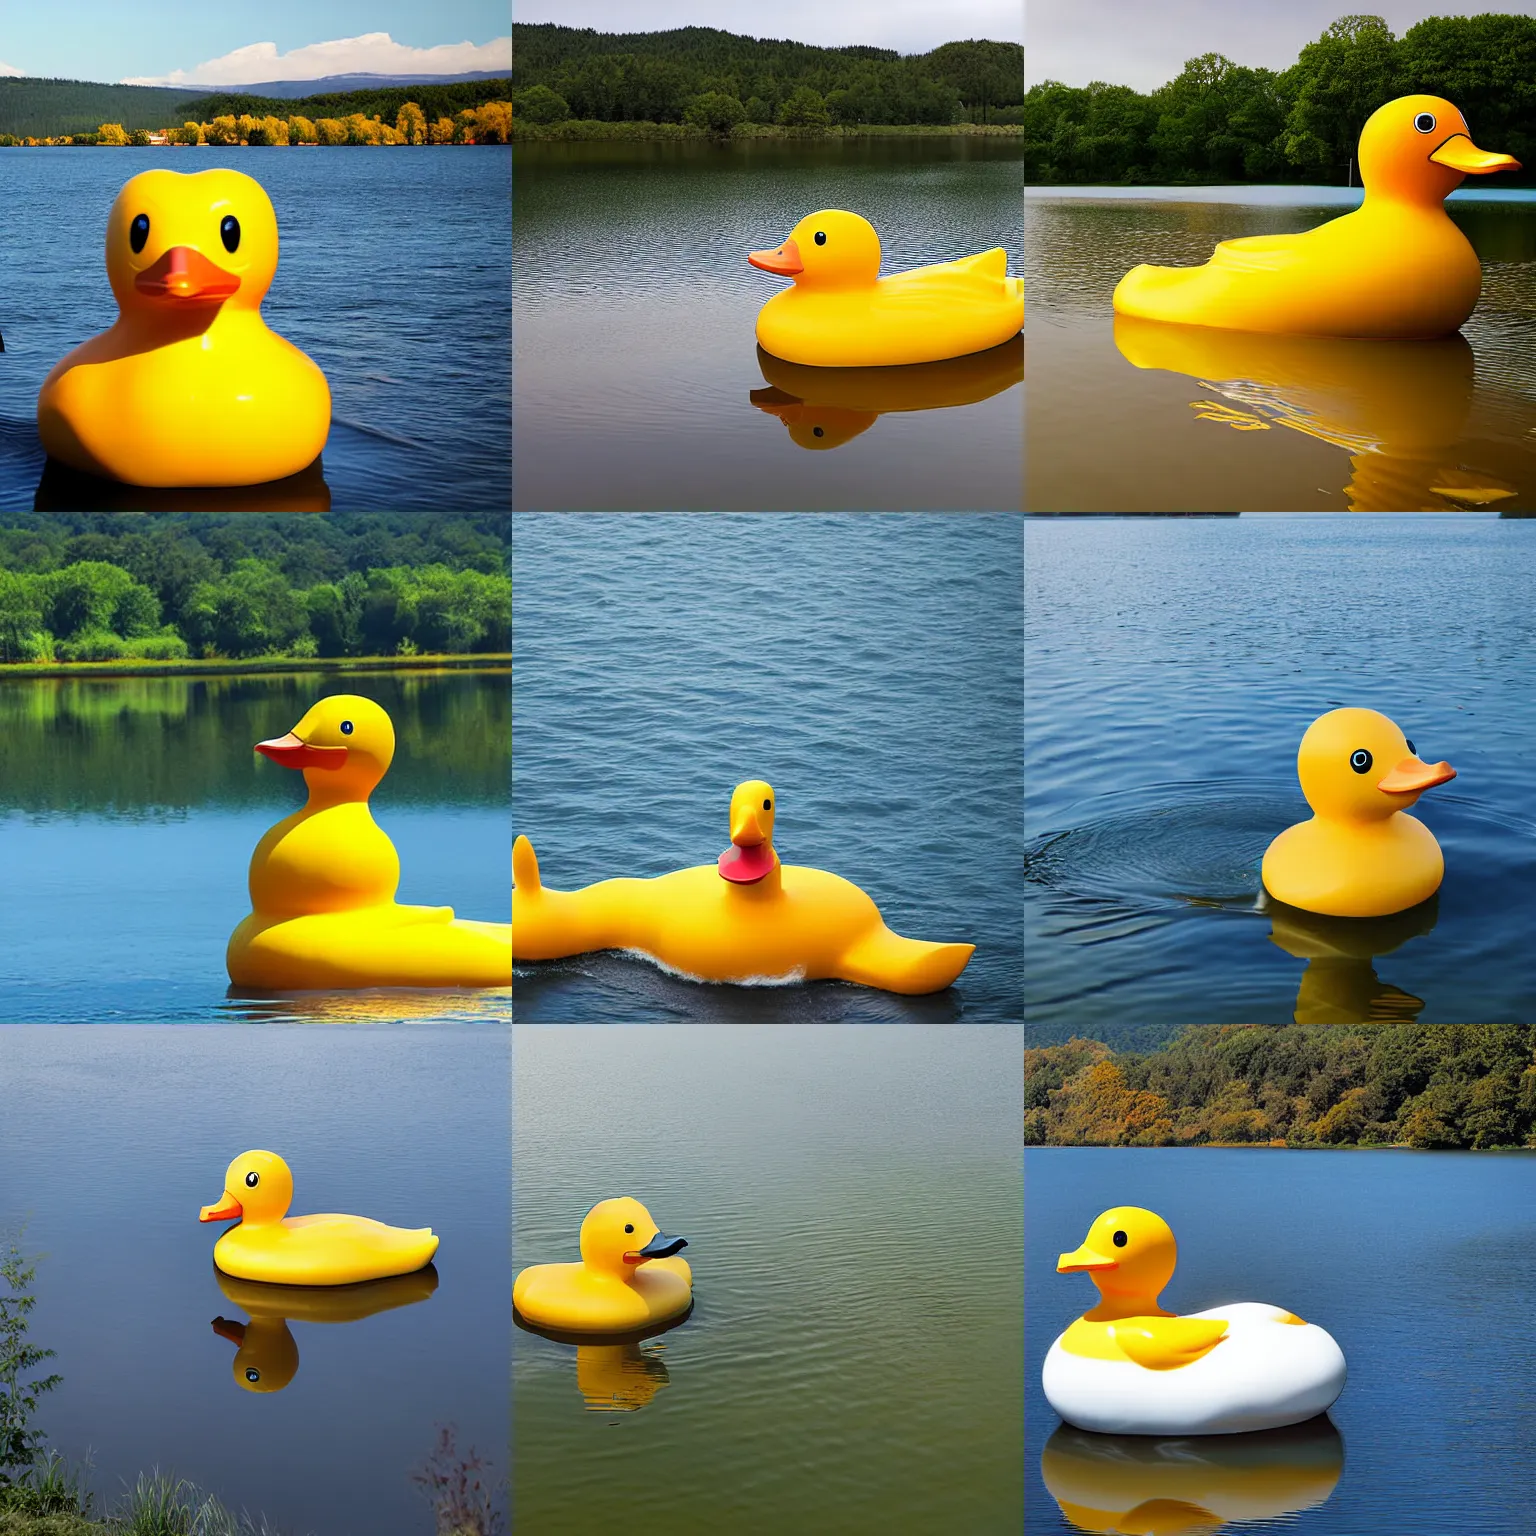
830, 249
1129, 1254
178, 243
751, 854
618, 1236
258, 1189
1356, 765
344, 746
1418, 149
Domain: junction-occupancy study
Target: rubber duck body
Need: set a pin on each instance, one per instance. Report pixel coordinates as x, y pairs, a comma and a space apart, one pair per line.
271, 1246
840, 313
745, 918
323, 880
629, 1277
1361, 854
1395, 267
189, 387
1130, 1368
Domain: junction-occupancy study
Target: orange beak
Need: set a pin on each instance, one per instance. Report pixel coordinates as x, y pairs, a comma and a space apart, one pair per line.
186, 276
1412, 776
1084, 1258
227, 1329
228, 1209
293, 752
784, 262
1461, 154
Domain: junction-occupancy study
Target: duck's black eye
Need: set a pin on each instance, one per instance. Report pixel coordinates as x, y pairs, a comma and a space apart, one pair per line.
138, 233
252, 1180
252, 1374
1360, 760
628, 1227
821, 237
767, 805
1411, 747
817, 432
1425, 122
346, 727
1120, 1239
229, 232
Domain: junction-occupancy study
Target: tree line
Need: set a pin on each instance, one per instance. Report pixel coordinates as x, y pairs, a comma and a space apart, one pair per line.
715, 79
1224, 122
1415, 1085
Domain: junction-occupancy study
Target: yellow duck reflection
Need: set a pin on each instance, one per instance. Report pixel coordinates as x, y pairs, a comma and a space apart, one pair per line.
616, 1375
266, 1355
825, 407
1117, 1485
1398, 408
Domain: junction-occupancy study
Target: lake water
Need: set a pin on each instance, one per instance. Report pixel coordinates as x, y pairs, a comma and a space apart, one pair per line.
393, 277
1171, 667
639, 381
132, 807
866, 667
852, 1203
1420, 1264
1130, 416
112, 1137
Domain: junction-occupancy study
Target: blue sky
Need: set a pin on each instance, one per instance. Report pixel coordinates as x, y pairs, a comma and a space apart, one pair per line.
179, 40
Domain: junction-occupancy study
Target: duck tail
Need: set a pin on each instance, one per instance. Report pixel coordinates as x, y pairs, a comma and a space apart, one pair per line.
525, 867
885, 959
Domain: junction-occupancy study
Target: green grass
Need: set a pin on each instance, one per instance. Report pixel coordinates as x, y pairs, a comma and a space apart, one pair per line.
52, 1501
134, 667
579, 129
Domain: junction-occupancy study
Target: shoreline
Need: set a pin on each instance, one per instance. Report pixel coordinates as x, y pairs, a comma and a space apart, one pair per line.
490, 661
592, 130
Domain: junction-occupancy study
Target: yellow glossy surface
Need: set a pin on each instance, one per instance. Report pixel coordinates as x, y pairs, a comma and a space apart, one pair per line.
614, 1289
189, 387
840, 313
1395, 267
1361, 854
323, 880
793, 923
271, 1246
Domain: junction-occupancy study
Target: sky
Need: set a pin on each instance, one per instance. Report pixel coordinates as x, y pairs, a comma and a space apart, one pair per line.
1144, 43
212, 42
908, 26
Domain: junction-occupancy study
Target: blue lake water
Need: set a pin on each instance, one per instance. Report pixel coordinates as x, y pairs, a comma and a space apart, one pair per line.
393, 276
1171, 667
867, 667
1419, 1264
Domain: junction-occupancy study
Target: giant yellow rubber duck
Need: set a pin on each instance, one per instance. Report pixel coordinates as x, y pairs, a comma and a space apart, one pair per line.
1397, 266
1129, 1368
188, 387
841, 313
272, 1246
323, 880
629, 1277
747, 917
1361, 854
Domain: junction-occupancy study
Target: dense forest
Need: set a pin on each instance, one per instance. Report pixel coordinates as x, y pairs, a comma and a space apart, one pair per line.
1415, 1085
1220, 121
89, 588
717, 79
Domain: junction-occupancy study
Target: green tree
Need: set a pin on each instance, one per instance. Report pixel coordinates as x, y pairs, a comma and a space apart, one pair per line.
539, 104
251, 611
1336, 84
94, 596
716, 111
20, 1389
805, 108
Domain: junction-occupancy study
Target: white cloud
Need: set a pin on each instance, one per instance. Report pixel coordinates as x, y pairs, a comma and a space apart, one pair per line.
10, 69
375, 53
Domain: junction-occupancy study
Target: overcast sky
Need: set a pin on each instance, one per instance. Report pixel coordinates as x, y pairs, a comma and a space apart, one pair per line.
1144, 43
909, 26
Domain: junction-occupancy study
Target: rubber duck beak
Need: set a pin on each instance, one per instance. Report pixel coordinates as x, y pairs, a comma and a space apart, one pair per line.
660, 1247
1083, 1258
784, 262
228, 1209
1412, 776
1461, 154
234, 1332
186, 276
293, 752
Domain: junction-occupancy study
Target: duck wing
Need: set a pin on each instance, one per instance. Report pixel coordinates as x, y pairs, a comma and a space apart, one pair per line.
1166, 1343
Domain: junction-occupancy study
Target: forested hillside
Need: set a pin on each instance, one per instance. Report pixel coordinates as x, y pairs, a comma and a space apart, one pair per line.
381, 101
52, 108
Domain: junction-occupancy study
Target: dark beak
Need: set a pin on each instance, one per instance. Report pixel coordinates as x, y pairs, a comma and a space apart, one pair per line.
662, 1247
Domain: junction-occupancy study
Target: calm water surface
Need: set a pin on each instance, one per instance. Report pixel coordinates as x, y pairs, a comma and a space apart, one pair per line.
639, 381
113, 1137
852, 1203
1134, 416
1171, 668
1420, 1264
132, 807
867, 667
393, 277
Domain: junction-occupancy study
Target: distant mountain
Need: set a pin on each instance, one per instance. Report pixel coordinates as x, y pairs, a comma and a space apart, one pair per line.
331, 84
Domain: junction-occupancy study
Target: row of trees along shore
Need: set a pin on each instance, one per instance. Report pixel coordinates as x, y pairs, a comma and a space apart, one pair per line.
571, 79
1225, 122
1299, 1085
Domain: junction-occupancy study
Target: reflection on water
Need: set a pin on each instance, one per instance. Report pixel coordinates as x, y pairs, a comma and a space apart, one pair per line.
62, 489
266, 1356
1190, 1487
619, 1375
825, 407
